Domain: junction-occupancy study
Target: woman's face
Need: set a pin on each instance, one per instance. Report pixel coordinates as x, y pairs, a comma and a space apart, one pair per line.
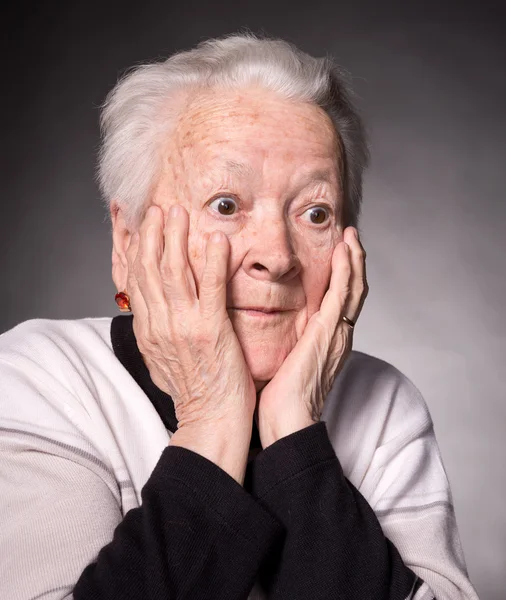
265, 171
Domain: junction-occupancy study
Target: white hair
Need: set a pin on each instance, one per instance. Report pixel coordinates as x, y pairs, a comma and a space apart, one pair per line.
138, 112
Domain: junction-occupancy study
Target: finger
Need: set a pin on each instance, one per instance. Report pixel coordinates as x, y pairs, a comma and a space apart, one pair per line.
177, 277
137, 302
190, 275
213, 284
335, 300
358, 280
147, 261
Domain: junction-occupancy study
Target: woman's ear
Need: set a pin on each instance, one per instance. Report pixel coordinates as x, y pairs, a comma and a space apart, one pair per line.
120, 242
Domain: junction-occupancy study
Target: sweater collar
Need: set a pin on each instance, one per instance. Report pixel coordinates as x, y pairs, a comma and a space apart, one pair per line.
127, 352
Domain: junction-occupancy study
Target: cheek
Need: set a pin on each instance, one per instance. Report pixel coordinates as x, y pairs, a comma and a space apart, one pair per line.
316, 280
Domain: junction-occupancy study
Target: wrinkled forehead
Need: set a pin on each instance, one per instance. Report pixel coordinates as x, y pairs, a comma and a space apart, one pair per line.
243, 134
277, 177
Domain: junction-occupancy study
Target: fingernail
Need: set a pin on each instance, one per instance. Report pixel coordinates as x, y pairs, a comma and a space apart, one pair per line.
152, 210
174, 211
347, 248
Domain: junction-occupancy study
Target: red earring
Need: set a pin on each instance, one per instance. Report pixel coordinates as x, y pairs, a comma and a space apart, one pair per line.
123, 301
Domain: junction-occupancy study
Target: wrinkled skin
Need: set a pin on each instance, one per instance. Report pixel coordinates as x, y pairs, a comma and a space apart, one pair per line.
266, 172
278, 256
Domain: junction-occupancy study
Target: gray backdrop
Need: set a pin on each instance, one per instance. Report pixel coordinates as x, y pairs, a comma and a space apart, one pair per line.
432, 89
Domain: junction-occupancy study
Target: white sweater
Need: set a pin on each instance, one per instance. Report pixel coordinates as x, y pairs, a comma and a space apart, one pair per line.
79, 438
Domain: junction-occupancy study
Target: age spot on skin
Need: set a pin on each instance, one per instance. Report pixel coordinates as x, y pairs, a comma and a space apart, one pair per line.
278, 141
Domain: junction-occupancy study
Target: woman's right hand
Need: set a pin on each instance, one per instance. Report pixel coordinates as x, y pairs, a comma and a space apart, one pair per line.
187, 342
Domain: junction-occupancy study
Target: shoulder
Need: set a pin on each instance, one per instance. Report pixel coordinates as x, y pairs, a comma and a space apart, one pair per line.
55, 347
371, 403
370, 384
52, 376
36, 336
45, 365
54, 352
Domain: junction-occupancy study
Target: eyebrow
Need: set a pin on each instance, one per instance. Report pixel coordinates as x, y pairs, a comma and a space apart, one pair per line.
318, 176
238, 168
244, 170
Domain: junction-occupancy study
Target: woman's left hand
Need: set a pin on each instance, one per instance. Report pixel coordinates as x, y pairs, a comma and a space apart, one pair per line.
293, 399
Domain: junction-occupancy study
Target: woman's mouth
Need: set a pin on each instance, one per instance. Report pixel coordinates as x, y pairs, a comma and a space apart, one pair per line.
260, 313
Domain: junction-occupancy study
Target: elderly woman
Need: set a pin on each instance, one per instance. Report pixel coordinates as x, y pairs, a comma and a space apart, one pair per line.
223, 441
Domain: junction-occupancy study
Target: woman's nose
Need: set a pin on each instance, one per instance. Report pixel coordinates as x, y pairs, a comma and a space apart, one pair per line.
271, 255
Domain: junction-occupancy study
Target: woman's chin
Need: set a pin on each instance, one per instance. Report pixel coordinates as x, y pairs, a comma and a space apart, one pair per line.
264, 363
265, 346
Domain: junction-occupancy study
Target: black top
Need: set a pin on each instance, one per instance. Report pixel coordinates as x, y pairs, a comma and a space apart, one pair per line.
298, 525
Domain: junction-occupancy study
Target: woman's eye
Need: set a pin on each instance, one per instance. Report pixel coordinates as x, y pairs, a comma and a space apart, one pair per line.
318, 214
224, 205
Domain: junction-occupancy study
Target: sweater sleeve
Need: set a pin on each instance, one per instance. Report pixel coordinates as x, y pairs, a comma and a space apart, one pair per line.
197, 534
335, 545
